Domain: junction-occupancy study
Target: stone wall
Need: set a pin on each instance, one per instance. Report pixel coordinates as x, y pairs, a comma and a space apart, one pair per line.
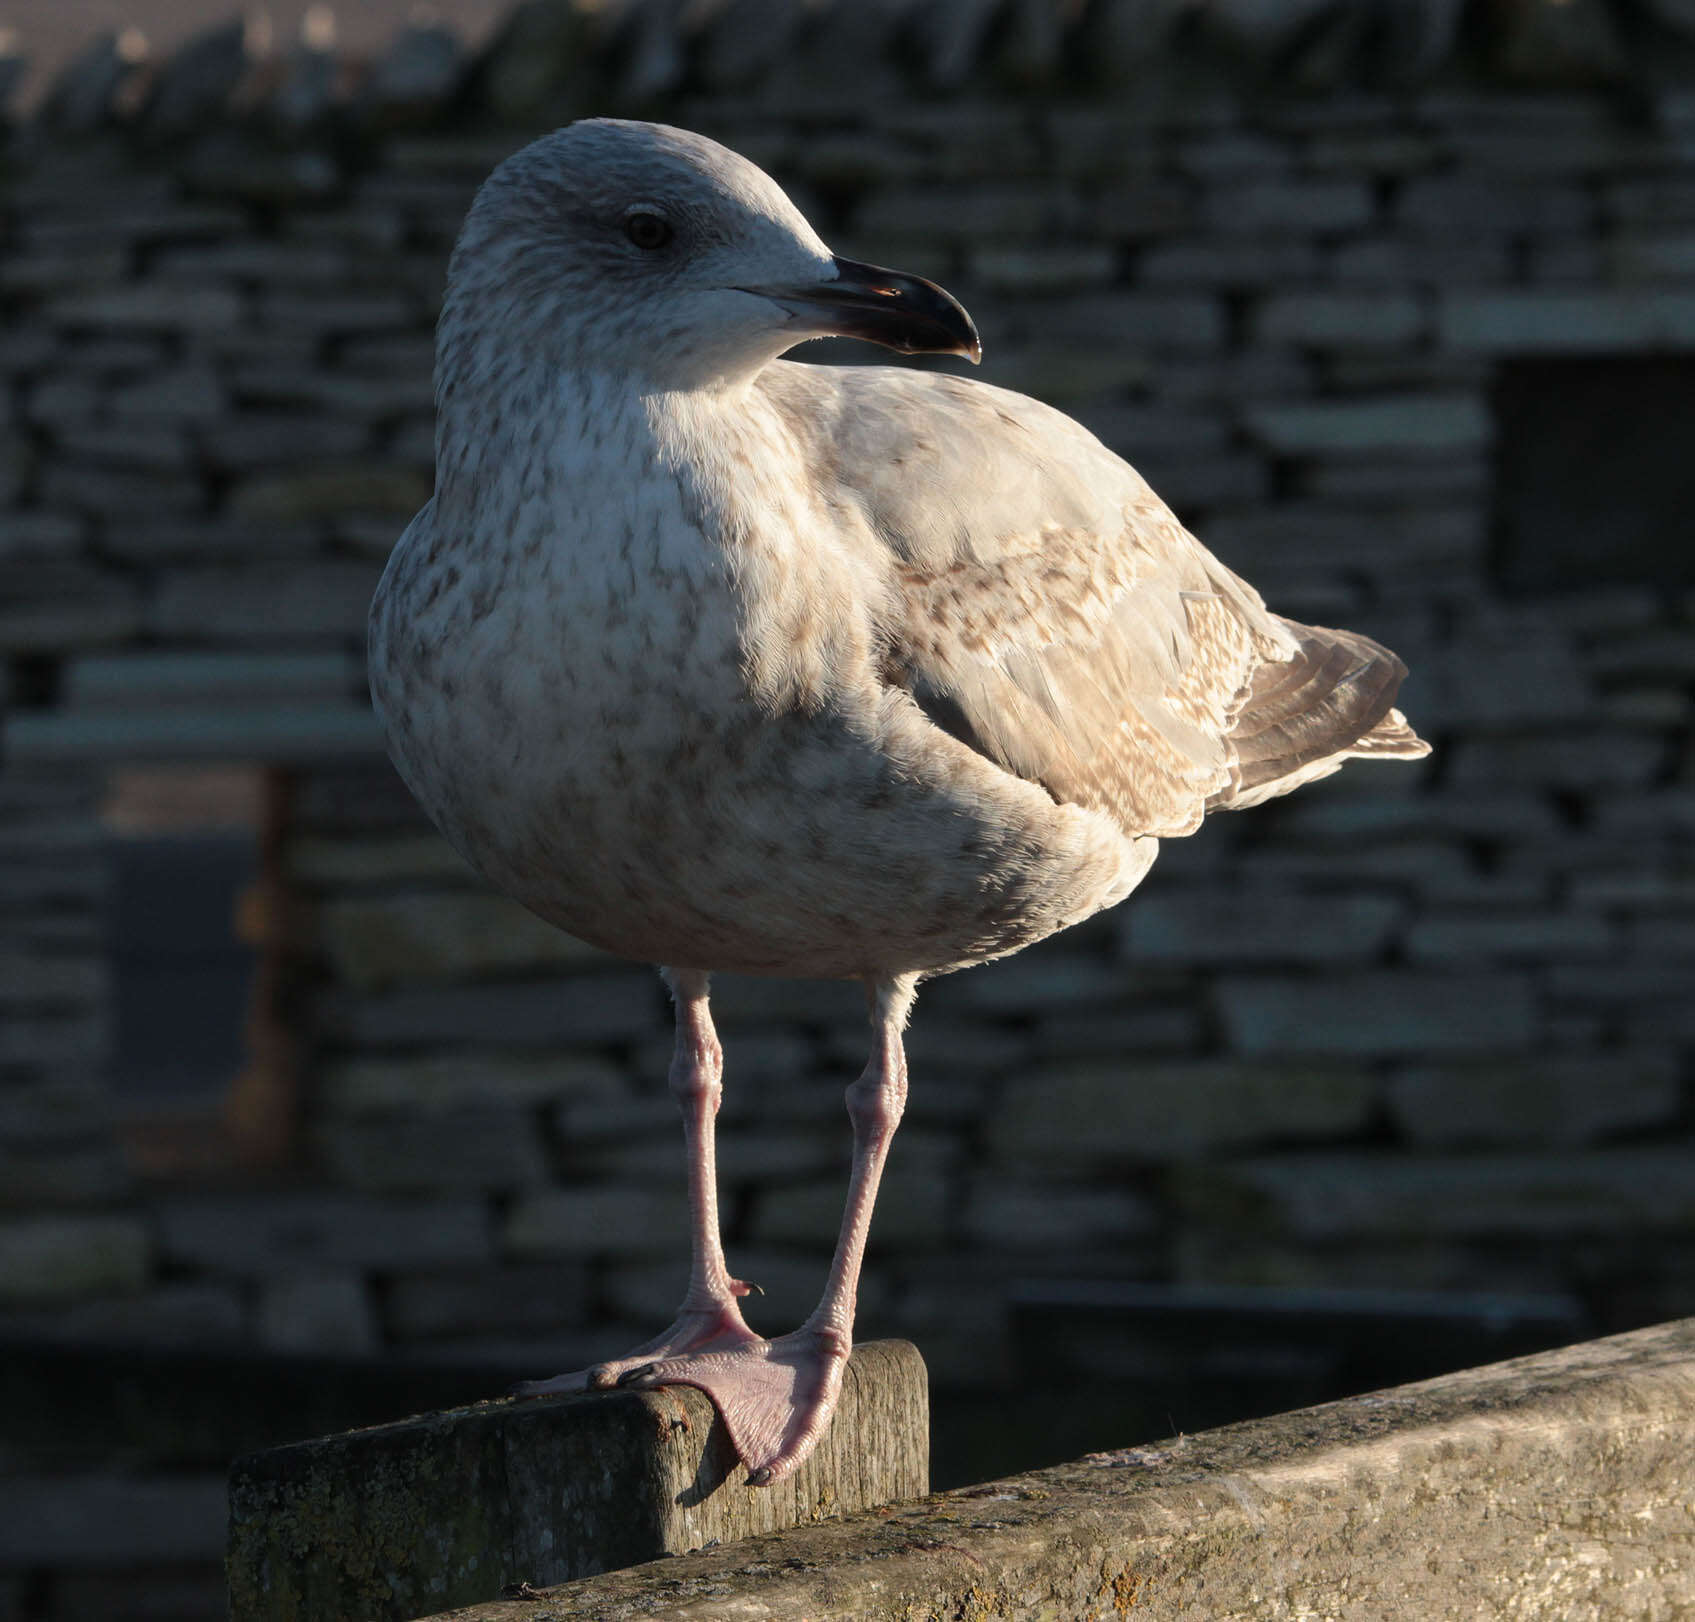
1414, 1027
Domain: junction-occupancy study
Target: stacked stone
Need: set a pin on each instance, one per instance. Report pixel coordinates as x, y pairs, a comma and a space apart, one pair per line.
1419, 1027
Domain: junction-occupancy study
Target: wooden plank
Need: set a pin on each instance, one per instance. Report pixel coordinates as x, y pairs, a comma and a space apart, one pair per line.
447, 1509
1545, 1488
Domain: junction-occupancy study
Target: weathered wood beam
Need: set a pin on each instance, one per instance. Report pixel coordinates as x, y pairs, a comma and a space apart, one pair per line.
1549, 1487
445, 1509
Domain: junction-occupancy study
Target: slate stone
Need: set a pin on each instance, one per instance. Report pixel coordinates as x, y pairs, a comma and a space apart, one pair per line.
197, 80
109, 1521
62, 1257
1325, 1198
1237, 925
1555, 1098
273, 1235
317, 1312
605, 1220
524, 1013
1420, 422
447, 935
1377, 1014
482, 1149
1111, 1112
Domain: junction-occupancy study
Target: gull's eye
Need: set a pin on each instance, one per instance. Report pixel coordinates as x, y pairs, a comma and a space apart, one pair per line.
648, 231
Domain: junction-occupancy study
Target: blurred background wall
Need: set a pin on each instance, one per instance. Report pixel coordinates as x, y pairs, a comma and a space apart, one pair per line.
300, 1125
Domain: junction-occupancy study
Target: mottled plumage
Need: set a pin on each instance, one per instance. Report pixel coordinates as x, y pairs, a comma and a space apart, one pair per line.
730, 663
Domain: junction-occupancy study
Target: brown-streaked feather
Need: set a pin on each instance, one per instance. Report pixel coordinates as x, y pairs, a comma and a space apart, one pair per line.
1045, 607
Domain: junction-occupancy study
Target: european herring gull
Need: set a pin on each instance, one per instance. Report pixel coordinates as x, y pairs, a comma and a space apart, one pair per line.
728, 663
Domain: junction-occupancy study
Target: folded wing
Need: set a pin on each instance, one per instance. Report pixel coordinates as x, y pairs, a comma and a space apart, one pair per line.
1046, 608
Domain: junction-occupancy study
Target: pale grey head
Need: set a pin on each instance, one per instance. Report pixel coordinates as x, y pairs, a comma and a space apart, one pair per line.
655, 254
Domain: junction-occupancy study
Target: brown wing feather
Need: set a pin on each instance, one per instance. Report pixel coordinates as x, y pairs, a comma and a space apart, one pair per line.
1049, 610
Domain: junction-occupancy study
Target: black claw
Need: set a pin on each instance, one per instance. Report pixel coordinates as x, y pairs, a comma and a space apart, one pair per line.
760, 1477
636, 1376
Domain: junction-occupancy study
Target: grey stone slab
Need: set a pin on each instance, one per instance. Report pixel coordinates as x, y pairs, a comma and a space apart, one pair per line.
1328, 319
1462, 204
255, 440
52, 1039
915, 1203
107, 1521
597, 1220
62, 1175
1575, 760
317, 1311
58, 269
1268, 1516
188, 1592
197, 538
1377, 1013
511, 1299
268, 732
366, 399
445, 935
265, 602
1010, 209
326, 492
309, 315
1319, 204
1443, 261
1393, 481
1181, 322
482, 1150
526, 1013
133, 680
1562, 322
155, 306
268, 1235
58, 981
1110, 1112
1066, 371
1040, 270
64, 1256
1350, 1197
287, 264
1233, 924
1050, 979
1554, 1098
1021, 1215
1410, 541
449, 1507
116, 494
1496, 935
120, 445
1414, 422
190, 393
1493, 680
167, 1315
451, 1081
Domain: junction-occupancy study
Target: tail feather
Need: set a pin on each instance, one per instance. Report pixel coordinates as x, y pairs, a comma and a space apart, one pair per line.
1301, 718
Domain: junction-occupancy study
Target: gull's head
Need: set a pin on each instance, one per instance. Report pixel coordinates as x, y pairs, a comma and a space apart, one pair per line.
651, 252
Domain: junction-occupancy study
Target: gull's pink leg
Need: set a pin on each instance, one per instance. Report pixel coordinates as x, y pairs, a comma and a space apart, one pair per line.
709, 1319
776, 1396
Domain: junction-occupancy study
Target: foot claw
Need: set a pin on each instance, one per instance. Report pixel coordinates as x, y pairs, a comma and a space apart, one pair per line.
760, 1477
635, 1379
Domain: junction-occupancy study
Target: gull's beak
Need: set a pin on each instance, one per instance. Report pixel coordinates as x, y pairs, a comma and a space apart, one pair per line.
900, 312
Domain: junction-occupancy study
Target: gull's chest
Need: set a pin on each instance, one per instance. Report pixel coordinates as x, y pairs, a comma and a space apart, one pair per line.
549, 635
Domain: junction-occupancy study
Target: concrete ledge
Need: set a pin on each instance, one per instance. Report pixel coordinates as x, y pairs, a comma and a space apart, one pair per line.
1559, 1486
396, 1521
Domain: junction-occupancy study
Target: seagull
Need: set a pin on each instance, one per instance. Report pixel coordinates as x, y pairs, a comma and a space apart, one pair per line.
728, 663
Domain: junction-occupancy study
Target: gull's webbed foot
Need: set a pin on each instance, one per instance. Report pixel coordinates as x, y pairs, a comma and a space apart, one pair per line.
717, 1329
776, 1396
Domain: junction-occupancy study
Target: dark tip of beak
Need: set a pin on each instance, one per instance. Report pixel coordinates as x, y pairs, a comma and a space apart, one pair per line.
885, 307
